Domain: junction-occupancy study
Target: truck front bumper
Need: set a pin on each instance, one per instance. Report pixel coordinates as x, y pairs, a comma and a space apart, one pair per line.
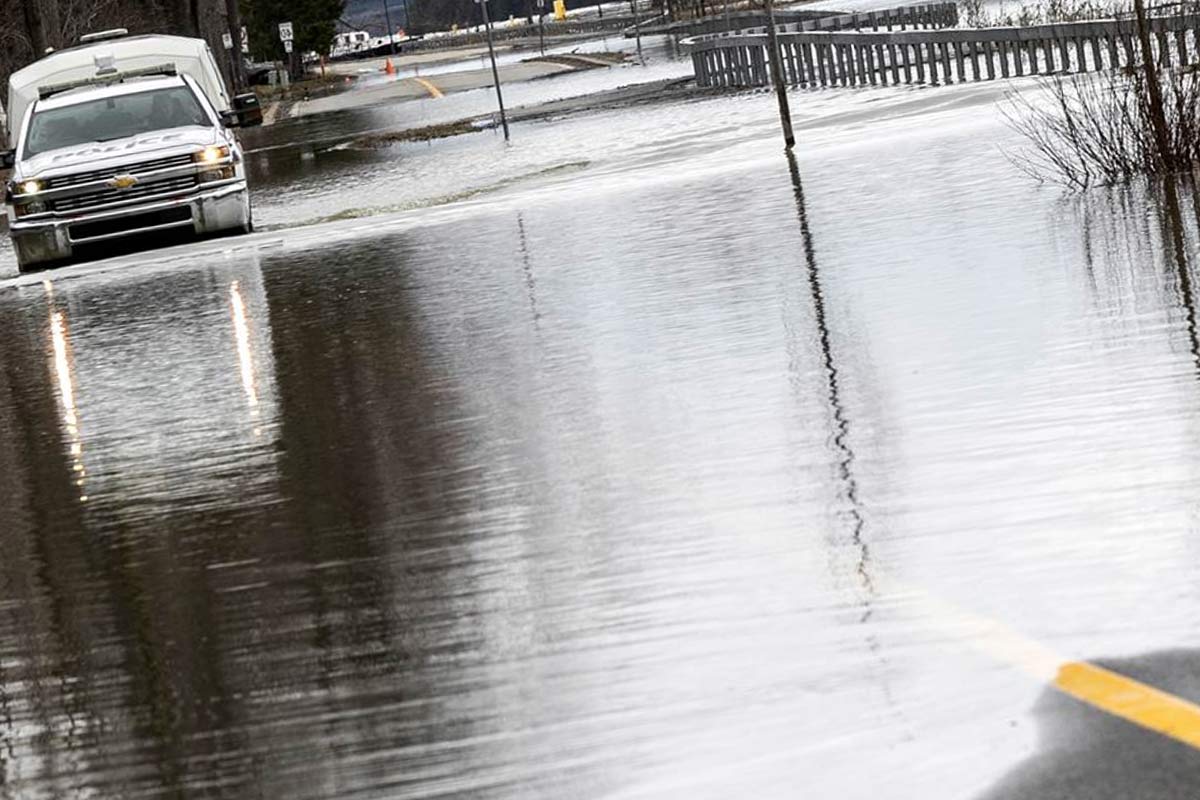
205, 211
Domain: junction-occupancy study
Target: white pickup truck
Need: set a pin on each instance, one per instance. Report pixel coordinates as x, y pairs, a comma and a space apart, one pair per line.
120, 136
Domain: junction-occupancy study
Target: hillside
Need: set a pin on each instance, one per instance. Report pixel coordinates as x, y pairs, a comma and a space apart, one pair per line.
368, 14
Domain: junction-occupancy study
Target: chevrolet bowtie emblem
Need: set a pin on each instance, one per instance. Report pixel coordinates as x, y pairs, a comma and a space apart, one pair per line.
122, 182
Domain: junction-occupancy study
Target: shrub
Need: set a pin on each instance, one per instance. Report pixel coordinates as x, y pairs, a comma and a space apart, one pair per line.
1098, 129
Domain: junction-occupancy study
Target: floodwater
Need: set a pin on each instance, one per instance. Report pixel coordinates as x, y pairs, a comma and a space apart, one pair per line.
629, 460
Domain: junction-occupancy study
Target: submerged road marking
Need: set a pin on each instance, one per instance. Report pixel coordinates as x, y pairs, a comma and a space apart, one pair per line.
1132, 701
434, 91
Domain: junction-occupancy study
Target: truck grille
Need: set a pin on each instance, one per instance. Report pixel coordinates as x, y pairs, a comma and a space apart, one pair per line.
81, 202
131, 169
108, 227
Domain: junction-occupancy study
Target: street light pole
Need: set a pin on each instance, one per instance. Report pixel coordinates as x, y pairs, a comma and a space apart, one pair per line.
387, 16
487, 24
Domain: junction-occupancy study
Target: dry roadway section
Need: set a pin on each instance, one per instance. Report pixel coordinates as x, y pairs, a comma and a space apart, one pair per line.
376, 90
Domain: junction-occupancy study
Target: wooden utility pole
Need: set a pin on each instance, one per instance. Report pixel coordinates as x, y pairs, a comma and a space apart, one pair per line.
1158, 119
233, 17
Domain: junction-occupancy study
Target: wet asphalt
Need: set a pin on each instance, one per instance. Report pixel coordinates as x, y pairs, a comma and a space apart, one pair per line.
631, 459
1085, 752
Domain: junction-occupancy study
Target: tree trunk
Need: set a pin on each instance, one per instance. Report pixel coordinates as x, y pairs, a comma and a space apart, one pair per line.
185, 17
233, 16
194, 18
42, 25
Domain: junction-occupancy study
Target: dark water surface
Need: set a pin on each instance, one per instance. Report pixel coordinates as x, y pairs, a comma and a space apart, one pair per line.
669, 469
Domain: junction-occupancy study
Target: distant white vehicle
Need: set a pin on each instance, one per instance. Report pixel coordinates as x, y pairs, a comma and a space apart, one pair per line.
122, 136
347, 44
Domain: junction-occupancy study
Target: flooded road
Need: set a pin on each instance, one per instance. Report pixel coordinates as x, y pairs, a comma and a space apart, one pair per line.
630, 460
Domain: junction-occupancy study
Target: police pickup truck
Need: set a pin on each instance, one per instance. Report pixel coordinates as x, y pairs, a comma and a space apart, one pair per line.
121, 136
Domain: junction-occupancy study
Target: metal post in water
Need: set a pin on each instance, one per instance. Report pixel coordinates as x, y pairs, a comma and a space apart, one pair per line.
637, 30
487, 24
541, 4
387, 16
785, 114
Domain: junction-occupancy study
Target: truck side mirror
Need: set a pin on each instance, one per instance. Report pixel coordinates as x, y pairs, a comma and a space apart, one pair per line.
230, 119
248, 110
8, 159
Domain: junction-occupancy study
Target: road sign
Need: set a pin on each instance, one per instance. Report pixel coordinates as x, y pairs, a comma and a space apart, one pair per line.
285, 31
287, 45
227, 40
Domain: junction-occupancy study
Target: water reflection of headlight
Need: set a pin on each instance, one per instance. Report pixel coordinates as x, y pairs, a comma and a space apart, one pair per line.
241, 333
60, 343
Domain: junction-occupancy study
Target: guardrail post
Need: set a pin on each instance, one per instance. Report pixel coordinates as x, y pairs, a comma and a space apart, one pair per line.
810, 70
1164, 52
960, 62
1127, 41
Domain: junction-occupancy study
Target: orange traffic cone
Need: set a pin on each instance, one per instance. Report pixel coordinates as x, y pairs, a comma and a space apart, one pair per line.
389, 67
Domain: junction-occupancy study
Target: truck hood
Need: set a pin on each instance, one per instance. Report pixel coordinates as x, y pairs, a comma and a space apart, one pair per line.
118, 152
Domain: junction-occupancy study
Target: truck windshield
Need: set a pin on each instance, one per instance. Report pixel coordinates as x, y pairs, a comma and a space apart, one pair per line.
113, 118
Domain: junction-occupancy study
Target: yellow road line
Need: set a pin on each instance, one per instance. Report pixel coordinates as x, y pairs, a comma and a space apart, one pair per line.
1102, 689
434, 91
1132, 701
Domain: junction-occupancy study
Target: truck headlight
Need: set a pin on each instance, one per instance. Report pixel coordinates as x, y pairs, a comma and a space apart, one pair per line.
28, 187
211, 154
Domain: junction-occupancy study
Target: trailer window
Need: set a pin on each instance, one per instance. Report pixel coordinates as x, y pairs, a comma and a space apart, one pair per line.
110, 118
